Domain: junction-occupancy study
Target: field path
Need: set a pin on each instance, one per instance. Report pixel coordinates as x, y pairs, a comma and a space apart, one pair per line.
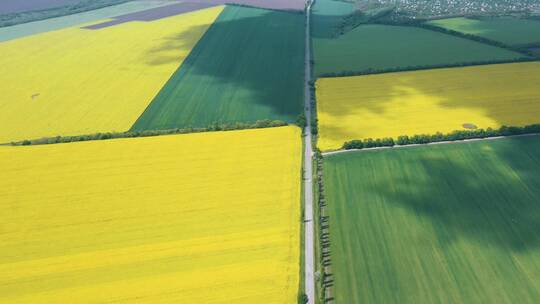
308, 169
428, 144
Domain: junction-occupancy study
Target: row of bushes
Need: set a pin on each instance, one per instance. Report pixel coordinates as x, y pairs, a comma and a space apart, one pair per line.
371, 71
323, 230
112, 135
359, 17
313, 101
439, 137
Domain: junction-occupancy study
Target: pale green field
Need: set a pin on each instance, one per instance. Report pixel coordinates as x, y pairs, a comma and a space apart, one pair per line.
508, 30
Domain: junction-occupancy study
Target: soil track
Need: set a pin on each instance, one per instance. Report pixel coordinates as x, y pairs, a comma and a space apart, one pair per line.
189, 6
153, 14
18, 6
428, 144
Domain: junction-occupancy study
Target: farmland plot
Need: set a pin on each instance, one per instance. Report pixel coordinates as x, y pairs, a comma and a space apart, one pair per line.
426, 102
508, 30
328, 15
454, 223
244, 69
183, 7
79, 81
153, 220
374, 47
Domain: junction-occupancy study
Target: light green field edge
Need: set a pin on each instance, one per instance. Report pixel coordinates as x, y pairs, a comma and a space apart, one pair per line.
248, 66
437, 224
37, 27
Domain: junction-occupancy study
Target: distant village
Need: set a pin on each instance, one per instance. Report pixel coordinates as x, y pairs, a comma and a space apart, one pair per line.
433, 8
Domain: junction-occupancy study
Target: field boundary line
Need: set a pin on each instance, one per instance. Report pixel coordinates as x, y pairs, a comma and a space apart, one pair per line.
427, 68
430, 144
261, 124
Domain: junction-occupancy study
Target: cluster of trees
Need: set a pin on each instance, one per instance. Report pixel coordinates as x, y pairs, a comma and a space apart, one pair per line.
111, 135
371, 71
314, 119
439, 137
301, 121
359, 17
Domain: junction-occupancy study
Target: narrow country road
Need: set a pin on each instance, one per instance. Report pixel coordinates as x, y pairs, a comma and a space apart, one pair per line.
309, 254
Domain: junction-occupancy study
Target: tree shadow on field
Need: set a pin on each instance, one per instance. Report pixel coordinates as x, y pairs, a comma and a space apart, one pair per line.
253, 58
488, 192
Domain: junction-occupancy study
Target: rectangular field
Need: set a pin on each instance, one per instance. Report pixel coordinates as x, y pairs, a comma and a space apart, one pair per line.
427, 102
380, 47
508, 30
77, 81
244, 69
457, 223
163, 219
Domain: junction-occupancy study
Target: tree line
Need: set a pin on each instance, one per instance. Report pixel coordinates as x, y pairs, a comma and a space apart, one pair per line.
440, 137
130, 134
371, 71
325, 275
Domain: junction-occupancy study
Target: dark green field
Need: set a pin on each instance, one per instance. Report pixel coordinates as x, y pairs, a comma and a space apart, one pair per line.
327, 16
456, 223
248, 66
387, 47
508, 30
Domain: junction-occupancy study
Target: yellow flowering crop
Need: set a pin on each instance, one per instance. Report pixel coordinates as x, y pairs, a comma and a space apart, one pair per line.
78, 81
198, 218
426, 102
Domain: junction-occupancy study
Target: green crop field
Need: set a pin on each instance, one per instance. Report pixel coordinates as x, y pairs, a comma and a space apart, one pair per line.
455, 223
248, 66
508, 30
385, 47
327, 15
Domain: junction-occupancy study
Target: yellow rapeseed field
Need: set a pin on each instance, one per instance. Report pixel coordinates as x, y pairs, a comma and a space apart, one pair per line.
426, 102
78, 81
198, 218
